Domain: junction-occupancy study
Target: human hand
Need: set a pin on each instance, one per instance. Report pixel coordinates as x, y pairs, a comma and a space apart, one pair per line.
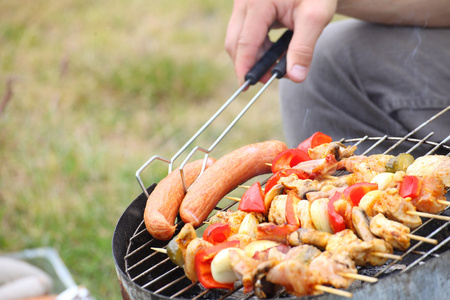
251, 20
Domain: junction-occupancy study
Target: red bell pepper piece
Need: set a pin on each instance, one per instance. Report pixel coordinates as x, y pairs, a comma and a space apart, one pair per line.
217, 233
284, 173
288, 158
203, 260
336, 220
315, 140
410, 186
356, 191
291, 200
253, 199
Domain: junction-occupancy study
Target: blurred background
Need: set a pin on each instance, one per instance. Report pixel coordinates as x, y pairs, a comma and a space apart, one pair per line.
89, 91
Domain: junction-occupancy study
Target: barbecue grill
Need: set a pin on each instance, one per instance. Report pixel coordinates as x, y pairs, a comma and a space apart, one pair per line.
422, 272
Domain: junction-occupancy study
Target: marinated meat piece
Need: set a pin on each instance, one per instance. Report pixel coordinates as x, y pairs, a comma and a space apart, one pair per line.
186, 235
244, 239
274, 232
432, 189
300, 186
330, 266
243, 266
310, 237
233, 218
303, 253
433, 166
361, 224
359, 251
326, 192
337, 181
390, 204
340, 240
319, 167
368, 257
377, 162
314, 189
338, 150
365, 167
295, 276
194, 246
392, 232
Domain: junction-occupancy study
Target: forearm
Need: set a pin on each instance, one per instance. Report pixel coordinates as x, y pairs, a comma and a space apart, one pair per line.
431, 13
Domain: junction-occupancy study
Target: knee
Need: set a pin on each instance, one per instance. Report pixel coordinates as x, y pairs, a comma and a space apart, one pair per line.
338, 42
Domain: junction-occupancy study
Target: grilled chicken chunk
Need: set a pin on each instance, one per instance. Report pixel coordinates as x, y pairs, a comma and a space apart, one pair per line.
233, 218
392, 232
338, 150
330, 266
365, 167
359, 251
319, 167
295, 276
303, 253
186, 235
244, 239
314, 189
193, 248
390, 204
301, 187
431, 165
432, 189
326, 191
310, 237
243, 267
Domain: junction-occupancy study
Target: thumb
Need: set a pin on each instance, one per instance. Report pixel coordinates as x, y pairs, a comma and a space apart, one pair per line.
299, 57
310, 20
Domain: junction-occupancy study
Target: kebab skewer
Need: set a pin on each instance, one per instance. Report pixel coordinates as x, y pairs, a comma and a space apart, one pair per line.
322, 166
322, 268
314, 216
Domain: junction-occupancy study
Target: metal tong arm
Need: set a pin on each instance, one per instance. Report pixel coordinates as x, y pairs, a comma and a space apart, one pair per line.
278, 72
263, 65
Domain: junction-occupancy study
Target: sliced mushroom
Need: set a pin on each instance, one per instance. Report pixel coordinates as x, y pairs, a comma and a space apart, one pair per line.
270, 195
337, 149
305, 192
361, 224
263, 288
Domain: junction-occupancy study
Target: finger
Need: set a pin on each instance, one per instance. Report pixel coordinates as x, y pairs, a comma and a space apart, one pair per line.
310, 19
234, 27
266, 45
260, 15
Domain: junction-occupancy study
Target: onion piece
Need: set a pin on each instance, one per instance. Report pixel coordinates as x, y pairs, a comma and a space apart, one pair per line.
319, 215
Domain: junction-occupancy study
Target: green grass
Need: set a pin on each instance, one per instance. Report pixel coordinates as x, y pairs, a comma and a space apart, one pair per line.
98, 88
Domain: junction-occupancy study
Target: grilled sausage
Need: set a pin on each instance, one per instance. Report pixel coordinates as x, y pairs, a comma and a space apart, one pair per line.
226, 174
163, 203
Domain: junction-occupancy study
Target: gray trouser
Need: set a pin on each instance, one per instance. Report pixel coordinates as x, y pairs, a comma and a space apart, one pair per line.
368, 79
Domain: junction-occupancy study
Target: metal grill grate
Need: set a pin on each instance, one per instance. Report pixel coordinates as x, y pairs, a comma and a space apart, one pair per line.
154, 272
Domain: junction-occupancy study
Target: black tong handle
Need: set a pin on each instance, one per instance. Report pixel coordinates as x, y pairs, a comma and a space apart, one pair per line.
269, 58
280, 68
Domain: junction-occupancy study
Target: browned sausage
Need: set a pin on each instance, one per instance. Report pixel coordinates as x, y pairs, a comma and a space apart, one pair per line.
163, 203
224, 175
